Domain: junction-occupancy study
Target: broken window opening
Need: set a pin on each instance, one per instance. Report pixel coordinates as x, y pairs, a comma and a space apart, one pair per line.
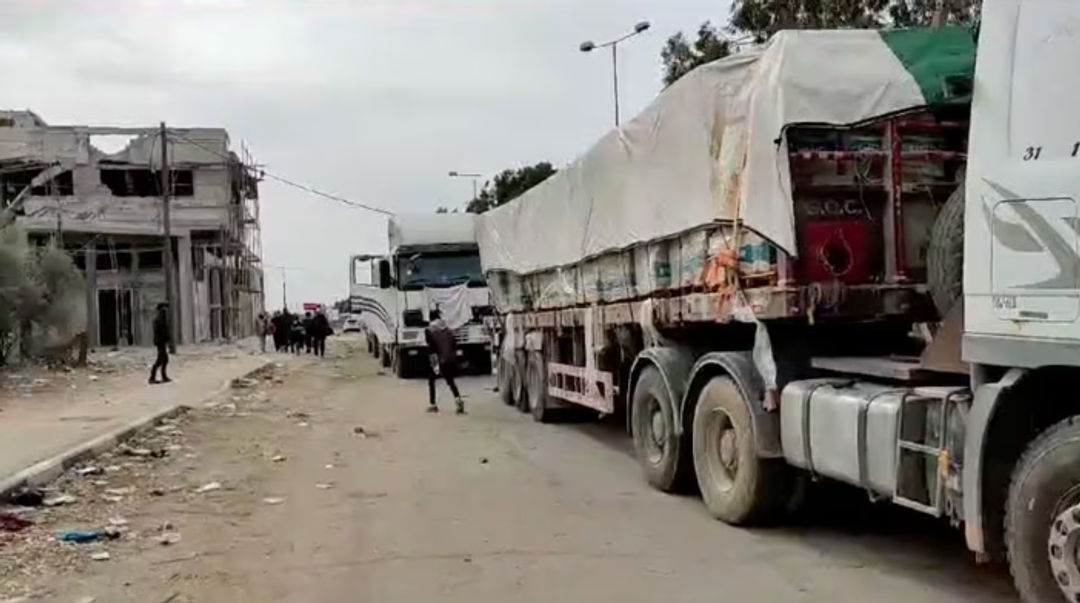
147, 183
7, 122
12, 183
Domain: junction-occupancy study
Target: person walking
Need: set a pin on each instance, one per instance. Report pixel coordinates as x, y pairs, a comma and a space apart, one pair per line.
162, 336
322, 329
442, 356
262, 327
309, 332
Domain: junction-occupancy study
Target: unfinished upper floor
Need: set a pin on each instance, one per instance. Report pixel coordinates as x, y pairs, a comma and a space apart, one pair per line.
117, 188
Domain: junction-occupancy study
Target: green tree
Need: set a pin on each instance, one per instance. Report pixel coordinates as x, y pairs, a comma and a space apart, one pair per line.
680, 56
509, 185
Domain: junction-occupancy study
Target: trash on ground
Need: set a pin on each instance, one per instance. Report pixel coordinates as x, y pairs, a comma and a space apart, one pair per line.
28, 497
58, 500
86, 600
166, 428
244, 383
209, 487
168, 538
302, 424
143, 452
329, 465
273, 500
120, 491
324, 486
298, 414
118, 521
12, 522
278, 458
113, 468
100, 556
79, 536
89, 470
483, 460
112, 499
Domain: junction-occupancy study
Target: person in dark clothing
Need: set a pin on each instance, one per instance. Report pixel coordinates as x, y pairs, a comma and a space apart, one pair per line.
309, 332
321, 330
442, 353
297, 335
162, 336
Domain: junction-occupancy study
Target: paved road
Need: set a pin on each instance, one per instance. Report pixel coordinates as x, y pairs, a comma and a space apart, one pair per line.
490, 507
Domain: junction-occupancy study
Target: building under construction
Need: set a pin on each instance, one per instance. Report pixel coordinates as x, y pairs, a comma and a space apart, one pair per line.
106, 209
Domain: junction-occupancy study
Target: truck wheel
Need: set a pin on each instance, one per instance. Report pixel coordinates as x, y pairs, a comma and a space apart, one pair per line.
376, 348
660, 451
945, 254
1042, 516
385, 357
737, 486
400, 365
536, 385
506, 382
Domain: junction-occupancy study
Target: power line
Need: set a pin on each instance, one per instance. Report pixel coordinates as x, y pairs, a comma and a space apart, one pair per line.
286, 181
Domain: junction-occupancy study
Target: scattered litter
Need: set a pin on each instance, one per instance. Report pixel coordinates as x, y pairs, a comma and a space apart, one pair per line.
120, 491
168, 538
143, 452
118, 521
483, 460
86, 600
210, 487
302, 424
329, 465
112, 499
58, 500
79, 536
100, 556
166, 428
359, 430
273, 500
278, 458
324, 486
89, 470
12, 522
93, 377
113, 468
28, 497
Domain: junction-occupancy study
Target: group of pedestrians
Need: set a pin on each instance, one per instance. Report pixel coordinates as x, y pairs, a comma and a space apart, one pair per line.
293, 333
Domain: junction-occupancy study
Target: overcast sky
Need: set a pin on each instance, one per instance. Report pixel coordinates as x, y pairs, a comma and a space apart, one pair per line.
373, 100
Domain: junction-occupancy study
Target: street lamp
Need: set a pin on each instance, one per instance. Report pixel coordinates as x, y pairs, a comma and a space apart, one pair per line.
475, 177
589, 46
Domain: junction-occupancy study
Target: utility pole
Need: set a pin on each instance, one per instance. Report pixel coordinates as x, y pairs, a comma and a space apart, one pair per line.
167, 259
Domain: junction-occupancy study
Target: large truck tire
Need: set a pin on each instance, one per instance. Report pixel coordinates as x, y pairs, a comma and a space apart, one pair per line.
521, 393
662, 454
737, 486
1042, 516
506, 381
400, 364
536, 387
945, 254
385, 356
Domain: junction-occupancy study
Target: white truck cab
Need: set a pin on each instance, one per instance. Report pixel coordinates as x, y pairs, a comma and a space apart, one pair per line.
433, 263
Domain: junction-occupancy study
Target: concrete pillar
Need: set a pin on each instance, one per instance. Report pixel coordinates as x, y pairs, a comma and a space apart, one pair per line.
186, 289
92, 331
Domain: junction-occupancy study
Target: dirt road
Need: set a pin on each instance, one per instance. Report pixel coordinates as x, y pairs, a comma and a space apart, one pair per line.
490, 507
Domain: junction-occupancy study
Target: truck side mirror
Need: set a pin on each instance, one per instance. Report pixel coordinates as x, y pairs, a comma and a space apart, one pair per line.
384, 274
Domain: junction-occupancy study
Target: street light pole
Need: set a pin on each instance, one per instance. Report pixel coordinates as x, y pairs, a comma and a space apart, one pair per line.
590, 46
475, 178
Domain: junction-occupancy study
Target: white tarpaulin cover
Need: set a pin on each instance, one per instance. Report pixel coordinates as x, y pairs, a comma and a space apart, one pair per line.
453, 304
709, 148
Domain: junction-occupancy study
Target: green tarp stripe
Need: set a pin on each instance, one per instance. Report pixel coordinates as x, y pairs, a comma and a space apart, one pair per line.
942, 60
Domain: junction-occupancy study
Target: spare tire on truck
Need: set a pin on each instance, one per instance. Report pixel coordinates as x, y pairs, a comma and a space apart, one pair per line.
945, 254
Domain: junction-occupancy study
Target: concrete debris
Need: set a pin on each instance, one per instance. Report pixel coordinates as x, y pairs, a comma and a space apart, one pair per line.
209, 487
28, 497
59, 500
100, 556
273, 500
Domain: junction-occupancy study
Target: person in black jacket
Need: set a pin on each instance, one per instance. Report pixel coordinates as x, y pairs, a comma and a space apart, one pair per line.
162, 336
442, 354
321, 328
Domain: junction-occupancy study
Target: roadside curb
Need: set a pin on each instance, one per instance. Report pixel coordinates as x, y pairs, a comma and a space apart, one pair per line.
43, 472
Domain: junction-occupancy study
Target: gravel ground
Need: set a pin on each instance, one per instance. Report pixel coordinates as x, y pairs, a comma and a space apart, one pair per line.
336, 486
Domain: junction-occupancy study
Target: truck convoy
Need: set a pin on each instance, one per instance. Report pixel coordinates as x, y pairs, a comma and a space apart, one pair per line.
434, 263
845, 254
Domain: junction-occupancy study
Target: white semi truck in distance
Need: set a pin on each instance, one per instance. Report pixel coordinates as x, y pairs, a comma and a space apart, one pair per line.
433, 263
851, 255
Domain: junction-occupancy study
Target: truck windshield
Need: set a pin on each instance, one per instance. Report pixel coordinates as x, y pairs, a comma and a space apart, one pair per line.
441, 269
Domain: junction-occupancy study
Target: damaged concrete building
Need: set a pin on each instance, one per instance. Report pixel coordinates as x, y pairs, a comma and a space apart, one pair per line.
104, 206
